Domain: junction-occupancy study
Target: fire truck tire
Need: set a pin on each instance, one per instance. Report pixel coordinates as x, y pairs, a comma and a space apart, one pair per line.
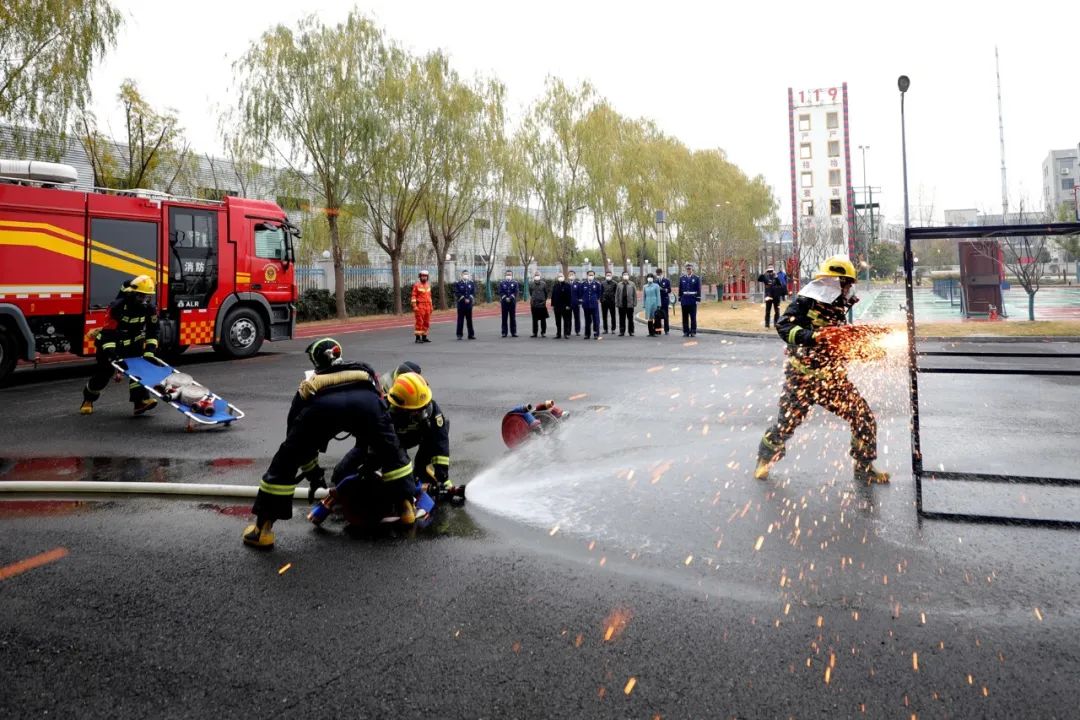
242, 334
8, 353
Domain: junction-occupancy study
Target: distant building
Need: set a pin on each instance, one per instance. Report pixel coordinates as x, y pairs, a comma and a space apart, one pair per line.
961, 218
1059, 174
822, 212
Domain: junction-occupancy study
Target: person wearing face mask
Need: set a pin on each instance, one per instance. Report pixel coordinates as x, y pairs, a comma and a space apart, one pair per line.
508, 296
689, 297
465, 292
625, 301
575, 299
607, 301
591, 292
815, 372
651, 300
665, 300
560, 306
538, 297
775, 292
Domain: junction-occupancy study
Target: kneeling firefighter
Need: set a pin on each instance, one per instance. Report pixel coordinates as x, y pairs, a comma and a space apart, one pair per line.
419, 423
131, 330
337, 398
819, 345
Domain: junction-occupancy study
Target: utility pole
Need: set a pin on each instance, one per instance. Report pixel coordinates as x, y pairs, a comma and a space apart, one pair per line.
1001, 134
870, 205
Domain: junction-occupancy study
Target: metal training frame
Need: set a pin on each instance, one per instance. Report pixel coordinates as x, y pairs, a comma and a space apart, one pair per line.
974, 233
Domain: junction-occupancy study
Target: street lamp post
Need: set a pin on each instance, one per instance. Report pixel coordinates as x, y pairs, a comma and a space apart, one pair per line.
903, 83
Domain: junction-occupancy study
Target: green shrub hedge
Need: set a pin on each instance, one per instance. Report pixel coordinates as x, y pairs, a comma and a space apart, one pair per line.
320, 304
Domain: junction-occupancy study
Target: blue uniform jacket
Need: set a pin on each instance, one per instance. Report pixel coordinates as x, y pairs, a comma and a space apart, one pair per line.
665, 292
575, 292
508, 291
689, 290
465, 290
591, 293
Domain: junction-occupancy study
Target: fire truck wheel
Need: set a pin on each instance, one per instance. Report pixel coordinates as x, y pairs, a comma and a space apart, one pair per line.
243, 333
8, 354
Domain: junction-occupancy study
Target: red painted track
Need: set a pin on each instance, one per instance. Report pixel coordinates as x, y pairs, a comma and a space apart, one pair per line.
309, 330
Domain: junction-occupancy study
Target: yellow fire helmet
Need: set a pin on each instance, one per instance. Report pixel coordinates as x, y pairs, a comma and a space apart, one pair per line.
410, 391
143, 284
836, 266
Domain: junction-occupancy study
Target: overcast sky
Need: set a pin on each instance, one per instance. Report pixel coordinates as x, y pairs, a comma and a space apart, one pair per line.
712, 74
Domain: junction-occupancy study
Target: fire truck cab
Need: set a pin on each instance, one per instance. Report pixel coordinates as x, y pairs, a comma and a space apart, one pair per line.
224, 270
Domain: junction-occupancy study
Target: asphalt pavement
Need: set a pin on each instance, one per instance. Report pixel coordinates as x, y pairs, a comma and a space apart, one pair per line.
627, 566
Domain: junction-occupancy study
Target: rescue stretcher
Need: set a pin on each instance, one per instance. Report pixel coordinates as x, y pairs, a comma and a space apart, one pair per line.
181, 391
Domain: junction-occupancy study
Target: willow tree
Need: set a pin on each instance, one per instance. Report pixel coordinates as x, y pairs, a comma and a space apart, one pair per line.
47, 51
468, 128
600, 130
154, 153
554, 144
308, 98
399, 155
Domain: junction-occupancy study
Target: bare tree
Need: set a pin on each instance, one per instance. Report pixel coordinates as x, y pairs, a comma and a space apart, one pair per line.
1024, 256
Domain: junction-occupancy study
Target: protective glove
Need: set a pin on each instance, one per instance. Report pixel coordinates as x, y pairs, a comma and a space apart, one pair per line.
316, 478
148, 354
442, 477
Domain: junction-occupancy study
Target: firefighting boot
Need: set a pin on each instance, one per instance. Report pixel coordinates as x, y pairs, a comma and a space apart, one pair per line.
769, 453
145, 405
865, 472
408, 512
425, 338
87, 408
418, 340
259, 535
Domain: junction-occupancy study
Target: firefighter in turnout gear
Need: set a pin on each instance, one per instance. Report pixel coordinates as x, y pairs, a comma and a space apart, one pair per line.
337, 397
421, 306
131, 330
814, 326
420, 423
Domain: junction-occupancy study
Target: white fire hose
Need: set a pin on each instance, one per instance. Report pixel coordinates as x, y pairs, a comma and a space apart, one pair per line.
100, 487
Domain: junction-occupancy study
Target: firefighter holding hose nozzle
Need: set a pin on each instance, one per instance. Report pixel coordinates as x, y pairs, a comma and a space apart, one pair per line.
820, 344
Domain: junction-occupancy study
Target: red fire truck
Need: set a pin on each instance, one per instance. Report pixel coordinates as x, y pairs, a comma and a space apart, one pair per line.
224, 270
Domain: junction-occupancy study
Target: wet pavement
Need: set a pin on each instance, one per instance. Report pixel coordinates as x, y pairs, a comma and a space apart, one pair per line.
631, 544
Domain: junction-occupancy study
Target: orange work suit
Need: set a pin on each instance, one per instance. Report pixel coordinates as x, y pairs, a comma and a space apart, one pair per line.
421, 305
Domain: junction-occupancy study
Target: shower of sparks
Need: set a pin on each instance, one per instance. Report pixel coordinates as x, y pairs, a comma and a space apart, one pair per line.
759, 543
915, 661
1038, 614
284, 568
630, 685
579, 396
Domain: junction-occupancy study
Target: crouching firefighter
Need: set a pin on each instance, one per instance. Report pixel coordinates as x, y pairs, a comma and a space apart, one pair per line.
131, 330
425, 428
338, 397
815, 373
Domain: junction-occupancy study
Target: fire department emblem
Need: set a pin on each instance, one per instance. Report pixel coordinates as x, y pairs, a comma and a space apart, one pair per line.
270, 273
